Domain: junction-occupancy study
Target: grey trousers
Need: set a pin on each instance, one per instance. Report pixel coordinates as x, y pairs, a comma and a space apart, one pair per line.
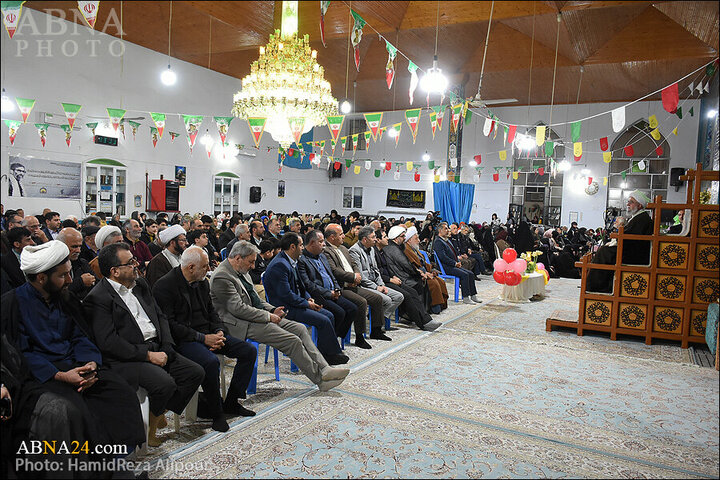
291, 338
391, 300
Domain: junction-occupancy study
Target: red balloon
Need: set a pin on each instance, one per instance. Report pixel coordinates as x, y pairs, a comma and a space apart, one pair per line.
509, 255
499, 277
512, 278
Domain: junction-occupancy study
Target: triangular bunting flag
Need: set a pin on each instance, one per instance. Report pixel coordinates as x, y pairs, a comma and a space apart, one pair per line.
512, 129
13, 126
412, 68
122, 128
456, 113
373, 121
11, 12
440, 112
192, 127
92, 126
398, 128
368, 135
68, 133
412, 117
71, 111
134, 126
433, 123
297, 125
173, 135
89, 11
355, 138
549, 148
42, 131
159, 119
324, 4
322, 147
25, 105
675, 131
343, 144
390, 66
487, 126
223, 124
116, 115
155, 137
382, 130
678, 112
356, 36
335, 124
692, 111
659, 150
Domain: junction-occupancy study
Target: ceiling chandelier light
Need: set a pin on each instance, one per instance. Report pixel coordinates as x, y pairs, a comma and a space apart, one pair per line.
434, 81
285, 83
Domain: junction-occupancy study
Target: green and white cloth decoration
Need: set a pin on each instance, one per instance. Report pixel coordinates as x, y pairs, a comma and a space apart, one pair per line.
192, 127
71, 112
25, 105
11, 12
159, 119
13, 126
116, 115
356, 36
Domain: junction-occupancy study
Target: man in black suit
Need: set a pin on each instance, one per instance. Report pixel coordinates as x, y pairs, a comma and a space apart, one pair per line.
18, 238
257, 231
635, 252
134, 337
52, 225
228, 234
83, 278
183, 294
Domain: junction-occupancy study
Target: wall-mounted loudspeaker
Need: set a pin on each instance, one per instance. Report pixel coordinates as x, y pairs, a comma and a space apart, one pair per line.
255, 194
675, 174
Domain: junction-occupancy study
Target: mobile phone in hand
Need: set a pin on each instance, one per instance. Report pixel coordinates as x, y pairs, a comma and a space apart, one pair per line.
88, 373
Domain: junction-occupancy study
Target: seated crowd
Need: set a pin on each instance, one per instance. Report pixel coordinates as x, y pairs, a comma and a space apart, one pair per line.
92, 311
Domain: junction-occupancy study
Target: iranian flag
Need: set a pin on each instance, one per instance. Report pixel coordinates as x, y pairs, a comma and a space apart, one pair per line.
11, 16
373, 121
297, 124
25, 105
116, 115
343, 142
322, 147
368, 136
223, 124
134, 126
433, 123
154, 133
398, 128
382, 130
68, 133
440, 112
13, 126
92, 126
42, 131
355, 139
173, 135
257, 127
324, 4
159, 119
333, 143
192, 127
71, 111
412, 117
456, 114
335, 125
89, 11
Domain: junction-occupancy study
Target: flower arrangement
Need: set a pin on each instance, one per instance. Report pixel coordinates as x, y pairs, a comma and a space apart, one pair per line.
705, 197
531, 259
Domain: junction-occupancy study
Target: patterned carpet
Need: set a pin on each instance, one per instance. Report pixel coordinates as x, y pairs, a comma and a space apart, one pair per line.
488, 394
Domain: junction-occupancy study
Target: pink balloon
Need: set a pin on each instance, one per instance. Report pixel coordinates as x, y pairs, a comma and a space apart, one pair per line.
509, 255
518, 266
500, 265
540, 266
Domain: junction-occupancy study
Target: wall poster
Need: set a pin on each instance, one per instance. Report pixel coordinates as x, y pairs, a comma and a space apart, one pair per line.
42, 178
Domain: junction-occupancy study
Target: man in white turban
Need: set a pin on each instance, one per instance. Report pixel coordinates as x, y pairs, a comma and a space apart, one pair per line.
107, 235
635, 252
49, 327
175, 244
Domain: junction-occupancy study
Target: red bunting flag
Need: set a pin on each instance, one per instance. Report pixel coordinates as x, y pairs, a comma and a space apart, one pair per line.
670, 98
337, 165
388, 166
511, 133
659, 151
496, 177
604, 144
478, 159
541, 171
629, 151
590, 180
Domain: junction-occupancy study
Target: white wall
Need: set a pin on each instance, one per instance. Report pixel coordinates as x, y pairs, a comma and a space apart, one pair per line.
132, 82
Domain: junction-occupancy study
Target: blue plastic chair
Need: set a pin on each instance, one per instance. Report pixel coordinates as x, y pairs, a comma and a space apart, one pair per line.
444, 275
252, 387
223, 253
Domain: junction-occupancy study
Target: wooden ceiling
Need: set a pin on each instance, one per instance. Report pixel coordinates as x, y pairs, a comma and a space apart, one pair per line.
626, 49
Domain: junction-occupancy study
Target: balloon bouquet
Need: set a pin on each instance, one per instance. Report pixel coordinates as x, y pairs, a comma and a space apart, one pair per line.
509, 269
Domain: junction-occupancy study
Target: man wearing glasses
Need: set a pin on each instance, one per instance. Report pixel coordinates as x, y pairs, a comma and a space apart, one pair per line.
134, 337
15, 186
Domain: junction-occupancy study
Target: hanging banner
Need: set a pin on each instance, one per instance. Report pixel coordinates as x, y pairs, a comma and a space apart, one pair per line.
577, 150
192, 127
618, 119
324, 4
405, 198
223, 124
68, 133
11, 12
416, 177
388, 166
297, 124
576, 126
25, 105
607, 157
540, 135
348, 162
390, 65
604, 144
376, 173
503, 155
42, 131
134, 126
71, 111
155, 137
412, 117
440, 112
116, 115
456, 114
13, 126
356, 36
670, 98
653, 121
373, 121
159, 119
89, 11
431, 165
412, 68
335, 124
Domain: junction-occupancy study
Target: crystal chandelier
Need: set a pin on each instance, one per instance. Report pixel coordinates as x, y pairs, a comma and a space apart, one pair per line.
285, 83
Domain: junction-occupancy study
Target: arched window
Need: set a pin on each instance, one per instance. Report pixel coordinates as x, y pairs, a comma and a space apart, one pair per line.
538, 197
652, 179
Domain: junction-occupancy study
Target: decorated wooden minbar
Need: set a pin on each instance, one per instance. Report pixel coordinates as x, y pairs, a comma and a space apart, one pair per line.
669, 298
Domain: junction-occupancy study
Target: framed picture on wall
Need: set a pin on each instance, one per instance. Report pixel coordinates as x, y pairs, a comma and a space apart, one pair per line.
180, 175
138, 201
281, 189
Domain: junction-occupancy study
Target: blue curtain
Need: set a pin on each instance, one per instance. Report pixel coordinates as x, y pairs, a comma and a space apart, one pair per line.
454, 200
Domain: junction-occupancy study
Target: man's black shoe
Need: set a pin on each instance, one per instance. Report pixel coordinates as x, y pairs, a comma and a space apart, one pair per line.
390, 328
380, 336
234, 408
362, 343
220, 425
338, 359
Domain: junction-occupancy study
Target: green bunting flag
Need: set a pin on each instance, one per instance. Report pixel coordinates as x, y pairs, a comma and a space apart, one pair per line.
92, 126
356, 36
68, 133
679, 112
25, 105
154, 134
373, 121
11, 12
192, 127
159, 119
42, 131
549, 148
398, 128
13, 126
223, 124
343, 144
575, 128
355, 138
440, 112
116, 115
257, 127
134, 126
390, 66
348, 162
433, 123
377, 173
412, 117
456, 114
71, 111
335, 123
324, 4
173, 135
468, 117
412, 68
368, 136
431, 164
